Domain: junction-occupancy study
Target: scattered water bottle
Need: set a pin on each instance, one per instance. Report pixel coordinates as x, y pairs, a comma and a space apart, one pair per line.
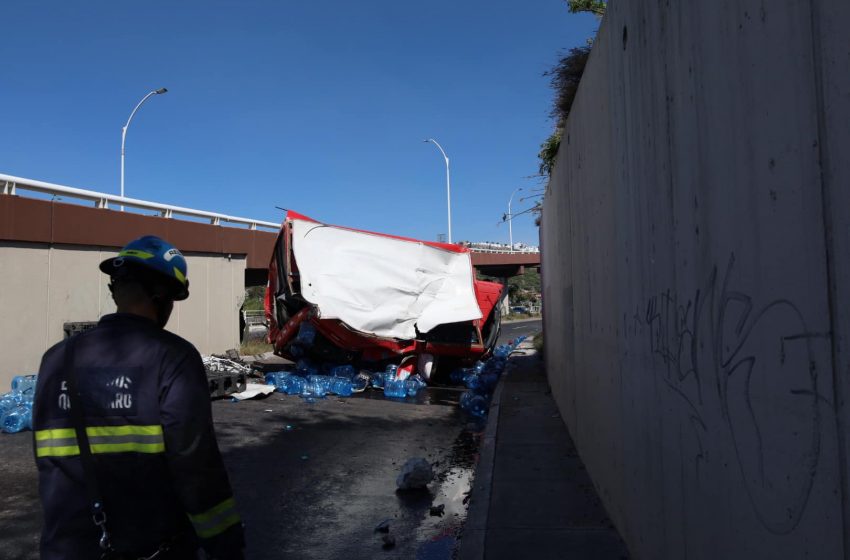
395, 388
24, 384
361, 381
17, 419
345, 371
292, 385
456, 377
306, 334
378, 378
414, 384
488, 381
472, 382
341, 386
478, 367
476, 405
317, 385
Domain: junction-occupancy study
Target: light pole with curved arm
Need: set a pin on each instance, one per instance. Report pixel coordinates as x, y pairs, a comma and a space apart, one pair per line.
511, 218
448, 183
124, 132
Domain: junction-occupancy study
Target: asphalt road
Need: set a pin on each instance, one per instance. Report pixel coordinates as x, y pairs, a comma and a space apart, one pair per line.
311, 480
520, 328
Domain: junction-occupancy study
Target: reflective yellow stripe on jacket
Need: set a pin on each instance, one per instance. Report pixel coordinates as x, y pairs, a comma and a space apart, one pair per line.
62, 442
216, 519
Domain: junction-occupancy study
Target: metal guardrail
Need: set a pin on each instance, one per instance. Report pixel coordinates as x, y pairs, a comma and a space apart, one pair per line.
11, 184
505, 251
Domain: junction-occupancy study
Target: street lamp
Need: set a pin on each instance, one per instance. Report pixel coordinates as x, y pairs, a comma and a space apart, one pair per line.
448, 183
124, 133
511, 218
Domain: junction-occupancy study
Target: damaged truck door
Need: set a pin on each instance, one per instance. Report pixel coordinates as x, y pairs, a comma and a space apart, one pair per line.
372, 299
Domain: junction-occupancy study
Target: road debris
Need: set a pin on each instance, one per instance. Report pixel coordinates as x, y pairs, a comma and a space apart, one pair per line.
389, 541
16, 405
416, 473
383, 526
438, 511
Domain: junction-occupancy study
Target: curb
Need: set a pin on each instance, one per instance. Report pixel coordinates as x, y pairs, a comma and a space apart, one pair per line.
474, 535
474, 532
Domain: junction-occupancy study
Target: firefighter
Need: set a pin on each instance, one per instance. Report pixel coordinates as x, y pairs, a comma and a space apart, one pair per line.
150, 483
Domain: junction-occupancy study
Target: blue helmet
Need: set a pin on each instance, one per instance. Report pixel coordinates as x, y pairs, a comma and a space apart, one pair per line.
157, 255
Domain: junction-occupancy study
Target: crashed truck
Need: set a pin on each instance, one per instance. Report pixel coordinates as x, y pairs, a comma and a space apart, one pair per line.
376, 300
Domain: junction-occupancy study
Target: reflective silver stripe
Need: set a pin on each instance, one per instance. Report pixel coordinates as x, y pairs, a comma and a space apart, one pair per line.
55, 442
132, 438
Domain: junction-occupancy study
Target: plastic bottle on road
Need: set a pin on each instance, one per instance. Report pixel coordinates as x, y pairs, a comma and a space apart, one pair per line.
17, 419
414, 384
395, 388
341, 386
318, 385
292, 385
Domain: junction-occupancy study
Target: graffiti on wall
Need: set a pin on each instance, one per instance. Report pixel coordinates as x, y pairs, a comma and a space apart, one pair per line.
747, 375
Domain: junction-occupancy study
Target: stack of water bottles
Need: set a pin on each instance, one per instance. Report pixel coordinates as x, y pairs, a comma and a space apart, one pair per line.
16, 405
313, 380
481, 379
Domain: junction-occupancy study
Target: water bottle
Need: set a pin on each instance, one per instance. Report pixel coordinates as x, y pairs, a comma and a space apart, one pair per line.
24, 384
456, 377
317, 385
395, 388
465, 398
306, 334
361, 381
478, 367
391, 371
9, 401
292, 385
478, 406
414, 384
17, 419
378, 379
345, 371
488, 381
472, 381
296, 350
341, 386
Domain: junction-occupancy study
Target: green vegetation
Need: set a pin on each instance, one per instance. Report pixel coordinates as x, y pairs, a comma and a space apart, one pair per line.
538, 342
595, 7
566, 75
254, 298
254, 347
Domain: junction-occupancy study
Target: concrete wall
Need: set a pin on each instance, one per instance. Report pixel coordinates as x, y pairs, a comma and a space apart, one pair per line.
695, 273
44, 286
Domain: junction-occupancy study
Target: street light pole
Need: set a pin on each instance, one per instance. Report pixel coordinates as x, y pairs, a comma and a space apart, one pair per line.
448, 183
124, 133
511, 218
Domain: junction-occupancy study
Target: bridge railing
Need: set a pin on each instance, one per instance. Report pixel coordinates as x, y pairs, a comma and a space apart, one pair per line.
505, 251
9, 185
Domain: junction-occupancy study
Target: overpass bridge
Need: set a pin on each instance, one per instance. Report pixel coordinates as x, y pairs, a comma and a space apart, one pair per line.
50, 250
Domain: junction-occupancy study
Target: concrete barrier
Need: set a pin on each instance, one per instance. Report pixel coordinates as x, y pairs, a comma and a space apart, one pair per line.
695, 236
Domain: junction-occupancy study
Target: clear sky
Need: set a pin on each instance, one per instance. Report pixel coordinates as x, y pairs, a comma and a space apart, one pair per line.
319, 106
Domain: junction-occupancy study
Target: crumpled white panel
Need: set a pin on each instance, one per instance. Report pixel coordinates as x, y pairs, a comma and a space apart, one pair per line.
381, 285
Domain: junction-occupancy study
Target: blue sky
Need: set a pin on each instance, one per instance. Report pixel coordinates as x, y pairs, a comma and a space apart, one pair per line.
319, 106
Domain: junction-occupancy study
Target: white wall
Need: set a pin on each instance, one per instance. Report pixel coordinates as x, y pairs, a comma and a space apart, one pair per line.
695, 241
43, 287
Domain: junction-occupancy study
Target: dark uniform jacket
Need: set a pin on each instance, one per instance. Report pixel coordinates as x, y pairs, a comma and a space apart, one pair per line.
149, 424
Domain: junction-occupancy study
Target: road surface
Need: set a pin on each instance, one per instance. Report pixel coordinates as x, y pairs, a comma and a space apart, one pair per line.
520, 328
